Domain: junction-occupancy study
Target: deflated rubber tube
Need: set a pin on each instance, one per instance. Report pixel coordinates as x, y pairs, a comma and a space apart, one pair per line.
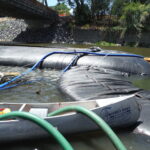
43, 123
61, 52
98, 120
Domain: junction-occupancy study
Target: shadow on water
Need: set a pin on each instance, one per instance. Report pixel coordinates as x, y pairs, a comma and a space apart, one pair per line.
91, 141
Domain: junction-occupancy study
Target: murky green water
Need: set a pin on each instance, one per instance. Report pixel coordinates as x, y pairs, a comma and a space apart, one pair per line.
45, 89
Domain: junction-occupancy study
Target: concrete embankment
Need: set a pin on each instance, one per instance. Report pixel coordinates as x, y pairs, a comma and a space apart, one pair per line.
17, 30
112, 36
10, 28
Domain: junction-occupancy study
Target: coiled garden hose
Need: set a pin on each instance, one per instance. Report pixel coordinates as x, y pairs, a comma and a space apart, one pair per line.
98, 120
43, 123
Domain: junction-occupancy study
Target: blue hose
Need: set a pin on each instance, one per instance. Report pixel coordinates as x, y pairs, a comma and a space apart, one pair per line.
18, 84
76, 57
61, 52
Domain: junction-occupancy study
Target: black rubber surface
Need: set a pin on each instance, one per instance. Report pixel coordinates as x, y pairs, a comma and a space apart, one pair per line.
27, 56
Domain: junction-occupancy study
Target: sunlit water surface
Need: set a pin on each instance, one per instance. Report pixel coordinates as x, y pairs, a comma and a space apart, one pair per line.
43, 89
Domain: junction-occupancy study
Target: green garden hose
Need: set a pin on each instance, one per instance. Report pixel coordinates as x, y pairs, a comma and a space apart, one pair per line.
43, 123
57, 135
100, 122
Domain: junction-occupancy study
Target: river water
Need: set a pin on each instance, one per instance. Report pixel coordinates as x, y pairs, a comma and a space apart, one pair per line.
45, 89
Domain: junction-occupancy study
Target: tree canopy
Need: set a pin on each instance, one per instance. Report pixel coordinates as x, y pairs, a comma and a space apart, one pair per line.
130, 13
62, 8
86, 11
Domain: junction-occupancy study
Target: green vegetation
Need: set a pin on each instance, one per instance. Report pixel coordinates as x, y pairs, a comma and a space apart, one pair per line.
135, 16
127, 16
130, 14
87, 11
135, 19
62, 9
104, 43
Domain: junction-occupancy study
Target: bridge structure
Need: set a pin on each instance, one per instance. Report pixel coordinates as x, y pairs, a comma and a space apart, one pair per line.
33, 11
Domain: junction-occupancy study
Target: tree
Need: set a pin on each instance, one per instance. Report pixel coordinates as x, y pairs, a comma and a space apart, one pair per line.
86, 11
135, 15
62, 8
99, 7
82, 14
145, 17
81, 10
118, 6
135, 18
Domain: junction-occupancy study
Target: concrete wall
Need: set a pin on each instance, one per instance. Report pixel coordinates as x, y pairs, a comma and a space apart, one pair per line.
92, 36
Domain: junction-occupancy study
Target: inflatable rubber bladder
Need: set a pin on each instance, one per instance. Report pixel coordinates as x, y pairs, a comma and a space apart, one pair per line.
90, 83
27, 56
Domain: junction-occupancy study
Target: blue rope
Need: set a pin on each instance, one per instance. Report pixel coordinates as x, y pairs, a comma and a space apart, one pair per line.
61, 52
14, 85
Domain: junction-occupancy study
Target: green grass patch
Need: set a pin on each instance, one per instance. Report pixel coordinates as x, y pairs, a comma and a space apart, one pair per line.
104, 43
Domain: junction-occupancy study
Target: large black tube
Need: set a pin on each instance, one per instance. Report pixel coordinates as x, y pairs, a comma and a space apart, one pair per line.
23, 56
